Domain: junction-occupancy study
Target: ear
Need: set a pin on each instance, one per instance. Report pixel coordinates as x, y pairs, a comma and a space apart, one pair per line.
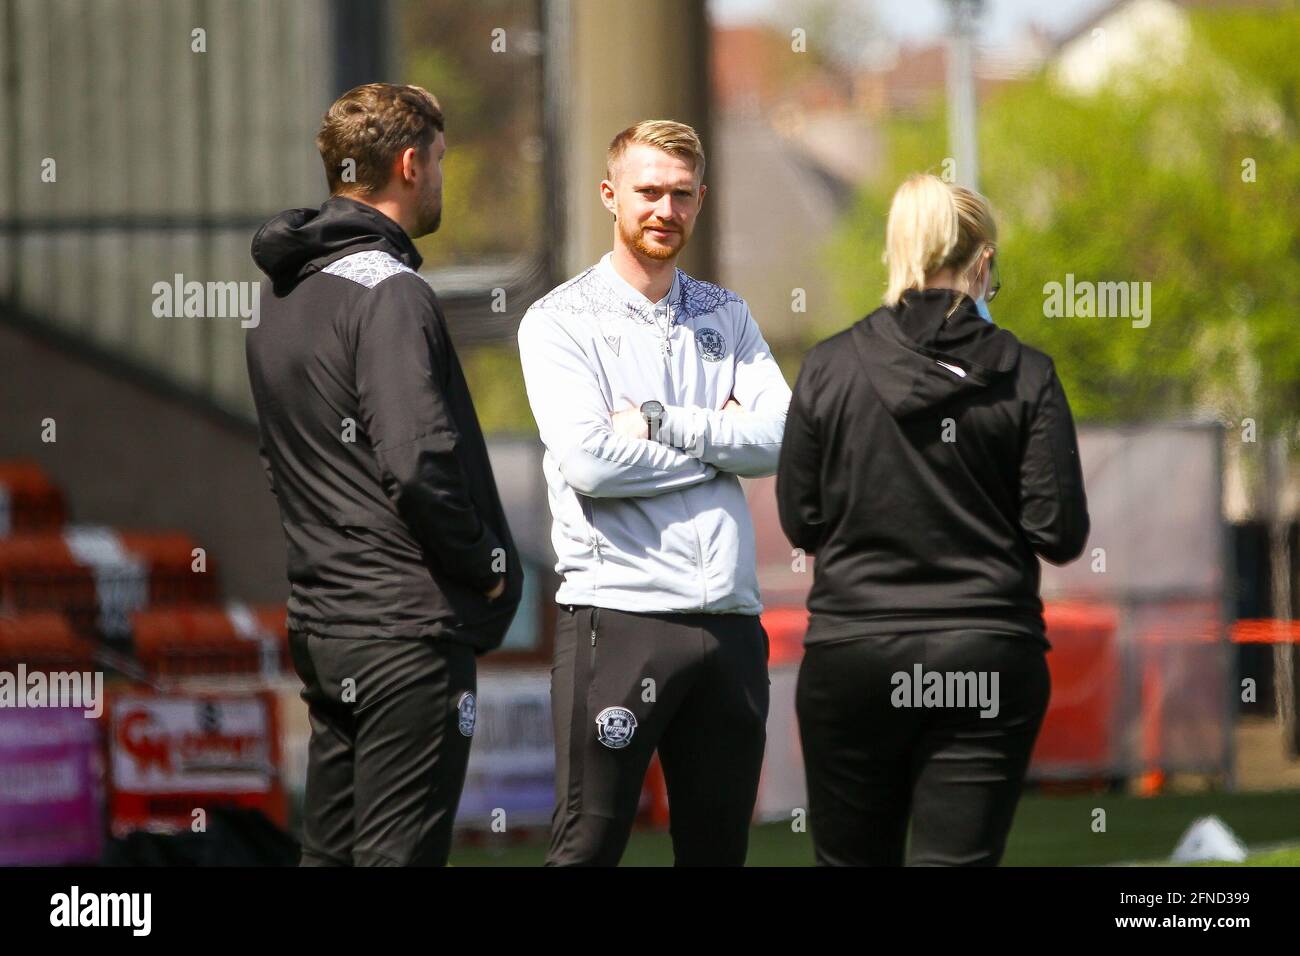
608, 197
403, 167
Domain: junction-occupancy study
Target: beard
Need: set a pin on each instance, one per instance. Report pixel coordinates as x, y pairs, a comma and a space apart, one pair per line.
635, 236
429, 216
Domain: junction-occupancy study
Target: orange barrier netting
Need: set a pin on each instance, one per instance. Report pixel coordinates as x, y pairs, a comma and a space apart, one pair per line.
1265, 631
1078, 732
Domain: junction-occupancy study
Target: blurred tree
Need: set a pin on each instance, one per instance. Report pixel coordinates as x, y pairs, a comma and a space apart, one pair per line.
1150, 183
496, 381
483, 62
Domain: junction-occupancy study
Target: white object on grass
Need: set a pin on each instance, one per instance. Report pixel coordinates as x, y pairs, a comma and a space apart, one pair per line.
1209, 839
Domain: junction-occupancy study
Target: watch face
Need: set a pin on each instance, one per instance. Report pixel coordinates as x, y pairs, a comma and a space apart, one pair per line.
653, 409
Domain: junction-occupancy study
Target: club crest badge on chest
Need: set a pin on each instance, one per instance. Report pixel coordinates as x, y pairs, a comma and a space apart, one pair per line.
711, 344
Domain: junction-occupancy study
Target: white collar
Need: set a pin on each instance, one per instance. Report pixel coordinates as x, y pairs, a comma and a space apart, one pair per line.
631, 298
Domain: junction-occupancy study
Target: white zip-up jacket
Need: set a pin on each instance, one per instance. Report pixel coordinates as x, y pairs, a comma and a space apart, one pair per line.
640, 525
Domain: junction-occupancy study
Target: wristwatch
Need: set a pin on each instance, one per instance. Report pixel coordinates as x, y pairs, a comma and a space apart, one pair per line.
653, 413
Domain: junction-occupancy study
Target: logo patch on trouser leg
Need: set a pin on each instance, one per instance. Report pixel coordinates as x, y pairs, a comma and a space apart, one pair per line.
466, 711
615, 727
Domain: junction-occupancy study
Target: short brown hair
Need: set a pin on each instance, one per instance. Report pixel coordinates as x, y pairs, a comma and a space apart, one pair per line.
371, 125
672, 137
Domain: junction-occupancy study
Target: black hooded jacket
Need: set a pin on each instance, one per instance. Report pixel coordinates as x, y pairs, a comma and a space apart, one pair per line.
928, 456
370, 440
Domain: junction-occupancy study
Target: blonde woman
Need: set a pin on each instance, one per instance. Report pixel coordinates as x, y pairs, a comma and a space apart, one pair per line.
929, 460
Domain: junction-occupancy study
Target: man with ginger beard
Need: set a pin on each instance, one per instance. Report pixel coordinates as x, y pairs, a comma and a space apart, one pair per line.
654, 393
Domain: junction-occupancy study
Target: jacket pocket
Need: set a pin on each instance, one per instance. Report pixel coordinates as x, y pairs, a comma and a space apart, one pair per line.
593, 533
767, 653
583, 676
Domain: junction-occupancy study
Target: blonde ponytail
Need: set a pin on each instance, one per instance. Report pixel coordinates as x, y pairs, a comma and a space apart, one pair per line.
932, 226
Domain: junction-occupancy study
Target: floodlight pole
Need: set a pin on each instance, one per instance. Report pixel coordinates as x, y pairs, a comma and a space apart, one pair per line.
963, 15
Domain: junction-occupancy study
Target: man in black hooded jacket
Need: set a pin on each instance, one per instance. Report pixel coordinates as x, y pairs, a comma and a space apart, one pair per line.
400, 560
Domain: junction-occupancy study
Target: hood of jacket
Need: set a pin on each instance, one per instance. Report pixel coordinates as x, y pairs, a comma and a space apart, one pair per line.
300, 242
930, 347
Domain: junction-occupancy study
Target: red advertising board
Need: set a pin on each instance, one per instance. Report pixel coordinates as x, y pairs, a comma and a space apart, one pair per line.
171, 755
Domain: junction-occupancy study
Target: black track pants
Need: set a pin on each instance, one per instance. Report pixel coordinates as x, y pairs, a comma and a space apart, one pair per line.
391, 724
692, 686
872, 763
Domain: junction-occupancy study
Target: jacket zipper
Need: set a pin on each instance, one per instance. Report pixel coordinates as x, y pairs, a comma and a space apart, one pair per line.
666, 347
699, 546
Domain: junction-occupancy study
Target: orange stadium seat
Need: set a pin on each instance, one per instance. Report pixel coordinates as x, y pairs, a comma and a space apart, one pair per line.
38, 572
34, 502
43, 640
187, 640
170, 556
97, 575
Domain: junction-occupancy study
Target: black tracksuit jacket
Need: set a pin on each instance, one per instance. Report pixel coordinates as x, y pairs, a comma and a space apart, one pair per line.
928, 457
370, 441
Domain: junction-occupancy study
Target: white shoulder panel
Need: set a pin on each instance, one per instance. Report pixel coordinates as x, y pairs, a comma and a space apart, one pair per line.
367, 268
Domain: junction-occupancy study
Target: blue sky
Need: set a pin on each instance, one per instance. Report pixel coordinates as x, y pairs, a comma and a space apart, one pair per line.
916, 20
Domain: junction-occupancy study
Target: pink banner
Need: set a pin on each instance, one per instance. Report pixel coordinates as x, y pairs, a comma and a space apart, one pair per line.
51, 795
